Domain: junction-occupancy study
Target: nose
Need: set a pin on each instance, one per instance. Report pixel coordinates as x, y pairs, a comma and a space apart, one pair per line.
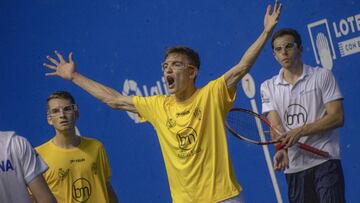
168, 69
284, 51
61, 113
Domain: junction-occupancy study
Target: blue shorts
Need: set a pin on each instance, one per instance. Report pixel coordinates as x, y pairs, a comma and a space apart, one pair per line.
321, 184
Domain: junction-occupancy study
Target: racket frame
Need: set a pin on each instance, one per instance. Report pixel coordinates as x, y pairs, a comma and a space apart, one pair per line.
265, 121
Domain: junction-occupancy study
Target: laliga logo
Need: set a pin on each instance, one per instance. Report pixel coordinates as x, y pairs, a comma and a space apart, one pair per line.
322, 42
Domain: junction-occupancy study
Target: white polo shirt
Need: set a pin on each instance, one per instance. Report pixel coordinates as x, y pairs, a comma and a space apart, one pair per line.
19, 165
300, 104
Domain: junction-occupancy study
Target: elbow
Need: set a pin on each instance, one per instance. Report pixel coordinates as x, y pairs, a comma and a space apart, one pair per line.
114, 102
340, 120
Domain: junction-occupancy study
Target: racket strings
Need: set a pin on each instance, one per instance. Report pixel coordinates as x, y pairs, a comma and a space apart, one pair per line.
245, 125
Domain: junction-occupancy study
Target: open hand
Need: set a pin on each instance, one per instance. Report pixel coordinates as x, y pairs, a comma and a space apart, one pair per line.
63, 69
270, 20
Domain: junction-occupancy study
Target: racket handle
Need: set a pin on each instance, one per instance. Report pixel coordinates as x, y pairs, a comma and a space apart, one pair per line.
314, 150
307, 148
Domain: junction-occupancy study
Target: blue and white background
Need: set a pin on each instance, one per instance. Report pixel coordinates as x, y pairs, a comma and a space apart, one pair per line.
121, 43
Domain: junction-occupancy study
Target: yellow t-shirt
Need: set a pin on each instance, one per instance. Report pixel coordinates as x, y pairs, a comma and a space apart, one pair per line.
193, 142
79, 174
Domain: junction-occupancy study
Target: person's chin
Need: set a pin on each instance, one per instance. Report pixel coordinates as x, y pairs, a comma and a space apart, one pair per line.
172, 91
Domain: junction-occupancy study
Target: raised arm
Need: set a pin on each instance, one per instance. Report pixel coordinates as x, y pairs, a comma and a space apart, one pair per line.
67, 70
234, 75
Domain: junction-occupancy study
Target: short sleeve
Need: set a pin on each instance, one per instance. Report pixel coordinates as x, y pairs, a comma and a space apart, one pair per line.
104, 160
147, 107
221, 90
31, 163
329, 87
266, 99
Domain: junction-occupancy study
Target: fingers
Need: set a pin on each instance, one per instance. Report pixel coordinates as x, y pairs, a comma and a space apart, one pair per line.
278, 165
281, 161
52, 60
286, 163
71, 59
277, 9
276, 6
61, 58
51, 74
50, 66
268, 9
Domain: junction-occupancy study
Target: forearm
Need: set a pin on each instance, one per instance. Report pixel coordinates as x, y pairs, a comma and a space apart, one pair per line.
112, 195
251, 54
96, 89
105, 94
40, 191
333, 118
247, 61
326, 123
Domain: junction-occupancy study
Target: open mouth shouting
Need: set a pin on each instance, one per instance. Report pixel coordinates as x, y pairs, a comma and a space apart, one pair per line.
170, 81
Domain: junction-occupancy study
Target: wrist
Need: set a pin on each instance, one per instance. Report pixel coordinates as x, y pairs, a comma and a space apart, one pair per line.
267, 32
74, 75
279, 147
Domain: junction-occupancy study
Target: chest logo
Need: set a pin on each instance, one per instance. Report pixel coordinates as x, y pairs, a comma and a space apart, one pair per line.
295, 116
81, 190
186, 138
63, 173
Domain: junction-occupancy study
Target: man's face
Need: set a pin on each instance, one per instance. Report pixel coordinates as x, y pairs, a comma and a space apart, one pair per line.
286, 51
179, 74
62, 114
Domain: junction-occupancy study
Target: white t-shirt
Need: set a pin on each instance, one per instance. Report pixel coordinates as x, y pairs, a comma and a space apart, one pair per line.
19, 165
300, 104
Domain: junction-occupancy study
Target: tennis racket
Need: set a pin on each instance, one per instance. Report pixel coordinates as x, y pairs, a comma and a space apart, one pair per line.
243, 124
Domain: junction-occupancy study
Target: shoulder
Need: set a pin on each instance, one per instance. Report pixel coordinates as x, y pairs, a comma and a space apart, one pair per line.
317, 70
141, 99
6, 136
269, 82
93, 142
43, 147
321, 75
17, 140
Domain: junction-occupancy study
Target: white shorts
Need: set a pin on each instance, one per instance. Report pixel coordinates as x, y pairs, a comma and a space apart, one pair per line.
236, 199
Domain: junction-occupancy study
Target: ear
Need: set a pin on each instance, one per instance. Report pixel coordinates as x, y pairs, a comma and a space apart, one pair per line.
77, 114
49, 120
193, 72
275, 56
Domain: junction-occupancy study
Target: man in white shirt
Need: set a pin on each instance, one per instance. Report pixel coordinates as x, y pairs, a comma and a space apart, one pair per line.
21, 167
305, 103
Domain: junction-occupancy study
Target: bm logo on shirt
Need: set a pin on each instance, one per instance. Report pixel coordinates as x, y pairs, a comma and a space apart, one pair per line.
81, 190
186, 138
295, 116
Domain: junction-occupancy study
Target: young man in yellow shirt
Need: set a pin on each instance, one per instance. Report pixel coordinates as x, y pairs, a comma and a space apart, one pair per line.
79, 169
189, 122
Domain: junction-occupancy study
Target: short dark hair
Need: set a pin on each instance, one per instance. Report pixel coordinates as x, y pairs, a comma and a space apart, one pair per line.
191, 54
286, 31
61, 95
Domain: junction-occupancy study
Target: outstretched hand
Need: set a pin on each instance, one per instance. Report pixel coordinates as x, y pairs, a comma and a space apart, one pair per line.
62, 68
270, 20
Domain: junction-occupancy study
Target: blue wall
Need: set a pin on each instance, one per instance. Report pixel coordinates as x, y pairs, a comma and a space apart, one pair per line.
115, 41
